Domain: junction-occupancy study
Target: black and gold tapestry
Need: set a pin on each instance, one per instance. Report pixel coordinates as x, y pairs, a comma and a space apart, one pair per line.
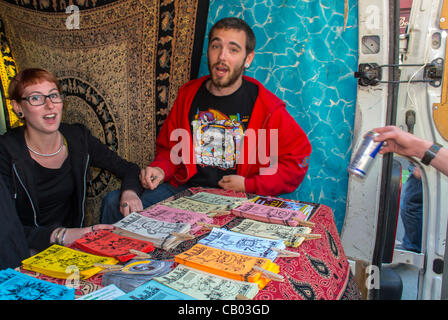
120, 64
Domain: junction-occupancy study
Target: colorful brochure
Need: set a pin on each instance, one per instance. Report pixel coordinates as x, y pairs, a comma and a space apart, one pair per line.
273, 231
304, 208
109, 292
18, 286
211, 198
136, 273
207, 286
154, 290
107, 243
61, 262
268, 214
160, 233
186, 203
227, 264
243, 244
175, 215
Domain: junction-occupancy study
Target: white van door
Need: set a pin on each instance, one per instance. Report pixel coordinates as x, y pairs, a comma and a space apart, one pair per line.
414, 99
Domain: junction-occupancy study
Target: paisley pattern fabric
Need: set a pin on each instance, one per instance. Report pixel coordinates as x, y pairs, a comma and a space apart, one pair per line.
321, 272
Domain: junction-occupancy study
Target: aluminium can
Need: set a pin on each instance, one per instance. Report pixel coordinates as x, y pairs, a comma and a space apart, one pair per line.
365, 155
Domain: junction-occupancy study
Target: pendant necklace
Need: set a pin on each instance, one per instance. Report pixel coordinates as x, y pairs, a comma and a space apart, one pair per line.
46, 154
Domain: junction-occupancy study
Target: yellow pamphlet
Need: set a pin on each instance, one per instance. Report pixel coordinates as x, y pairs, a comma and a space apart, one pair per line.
61, 262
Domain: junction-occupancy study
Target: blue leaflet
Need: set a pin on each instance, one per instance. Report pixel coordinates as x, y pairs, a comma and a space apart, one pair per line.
154, 290
243, 244
18, 286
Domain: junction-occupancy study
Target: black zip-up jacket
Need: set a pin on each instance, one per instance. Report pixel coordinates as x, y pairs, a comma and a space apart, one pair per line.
85, 150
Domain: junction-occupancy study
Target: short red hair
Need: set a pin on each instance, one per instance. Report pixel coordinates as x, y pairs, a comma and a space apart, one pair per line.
29, 77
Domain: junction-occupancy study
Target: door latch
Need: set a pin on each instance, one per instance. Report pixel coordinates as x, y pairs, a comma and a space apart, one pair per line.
370, 74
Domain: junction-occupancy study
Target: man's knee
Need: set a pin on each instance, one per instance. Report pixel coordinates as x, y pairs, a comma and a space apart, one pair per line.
110, 210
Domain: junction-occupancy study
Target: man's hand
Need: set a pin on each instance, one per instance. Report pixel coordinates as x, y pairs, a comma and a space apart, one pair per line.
232, 182
401, 142
151, 177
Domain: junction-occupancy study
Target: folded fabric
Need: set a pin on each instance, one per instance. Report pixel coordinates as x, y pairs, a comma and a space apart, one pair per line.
175, 215
227, 264
18, 286
153, 290
243, 244
107, 243
160, 233
61, 262
289, 235
268, 214
206, 286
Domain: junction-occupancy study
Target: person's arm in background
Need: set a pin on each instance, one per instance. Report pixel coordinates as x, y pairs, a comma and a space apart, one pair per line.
407, 144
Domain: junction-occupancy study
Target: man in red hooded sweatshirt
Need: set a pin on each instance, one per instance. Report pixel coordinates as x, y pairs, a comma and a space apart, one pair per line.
226, 130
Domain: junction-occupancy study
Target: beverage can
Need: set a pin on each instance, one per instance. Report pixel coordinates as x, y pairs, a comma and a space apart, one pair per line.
365, 155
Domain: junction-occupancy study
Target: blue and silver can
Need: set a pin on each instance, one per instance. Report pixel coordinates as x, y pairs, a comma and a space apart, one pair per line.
365, 155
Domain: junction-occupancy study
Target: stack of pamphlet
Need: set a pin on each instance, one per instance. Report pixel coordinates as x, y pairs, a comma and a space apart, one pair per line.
60, 262
19, 286
164, 235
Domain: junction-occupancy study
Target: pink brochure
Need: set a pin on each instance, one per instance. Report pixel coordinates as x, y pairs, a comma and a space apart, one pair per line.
268, 214
168, 214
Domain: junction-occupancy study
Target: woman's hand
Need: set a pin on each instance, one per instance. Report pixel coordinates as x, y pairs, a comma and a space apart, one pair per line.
66, 236
130, 202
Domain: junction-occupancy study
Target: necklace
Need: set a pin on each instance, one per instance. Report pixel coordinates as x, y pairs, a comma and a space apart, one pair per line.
46, 154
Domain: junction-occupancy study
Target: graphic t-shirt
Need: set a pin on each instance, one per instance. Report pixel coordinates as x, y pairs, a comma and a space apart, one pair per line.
217, 126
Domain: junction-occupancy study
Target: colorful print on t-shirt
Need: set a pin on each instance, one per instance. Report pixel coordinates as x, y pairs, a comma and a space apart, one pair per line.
216, 139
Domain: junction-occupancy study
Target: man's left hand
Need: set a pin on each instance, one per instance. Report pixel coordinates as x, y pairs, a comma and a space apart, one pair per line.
232, 182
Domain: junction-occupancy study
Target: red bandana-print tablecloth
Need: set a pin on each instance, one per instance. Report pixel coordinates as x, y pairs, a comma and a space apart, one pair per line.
322, 271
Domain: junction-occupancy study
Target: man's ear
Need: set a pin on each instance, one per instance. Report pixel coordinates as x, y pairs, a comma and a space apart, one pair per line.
249, 58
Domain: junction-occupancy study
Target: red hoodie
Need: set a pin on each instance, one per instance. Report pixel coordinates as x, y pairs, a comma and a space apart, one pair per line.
263, 175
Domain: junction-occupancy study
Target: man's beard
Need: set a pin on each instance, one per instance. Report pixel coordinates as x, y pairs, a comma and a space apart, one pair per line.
228, 81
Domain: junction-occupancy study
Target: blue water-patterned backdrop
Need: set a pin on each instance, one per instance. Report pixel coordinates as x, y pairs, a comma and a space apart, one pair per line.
306, 54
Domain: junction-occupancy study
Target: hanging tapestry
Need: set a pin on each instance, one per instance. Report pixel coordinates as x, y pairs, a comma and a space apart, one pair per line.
120, 64
8, 70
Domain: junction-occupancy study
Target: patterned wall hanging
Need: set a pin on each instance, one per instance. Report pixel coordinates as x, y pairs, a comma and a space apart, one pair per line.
8, 70
120, 64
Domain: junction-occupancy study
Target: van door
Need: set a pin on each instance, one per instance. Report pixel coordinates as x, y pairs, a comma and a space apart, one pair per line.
416, 101
375, 98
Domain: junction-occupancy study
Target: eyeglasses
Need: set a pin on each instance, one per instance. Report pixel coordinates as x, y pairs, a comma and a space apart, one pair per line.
39, 99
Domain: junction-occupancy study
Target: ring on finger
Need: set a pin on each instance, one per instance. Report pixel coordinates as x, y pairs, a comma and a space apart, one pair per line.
124, 205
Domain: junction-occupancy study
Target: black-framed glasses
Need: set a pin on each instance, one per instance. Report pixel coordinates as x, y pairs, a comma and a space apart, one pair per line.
39, 99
